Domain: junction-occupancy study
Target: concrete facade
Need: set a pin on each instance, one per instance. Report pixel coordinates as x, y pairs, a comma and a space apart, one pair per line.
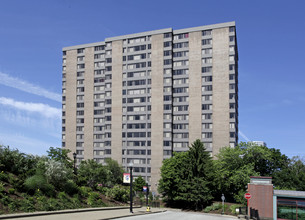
139, 97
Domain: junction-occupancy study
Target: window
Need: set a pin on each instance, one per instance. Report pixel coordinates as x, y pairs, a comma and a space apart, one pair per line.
81, 58
232, 77
181, 63
207, 126
80, 105
232, 29
207, 98
80, 66
207, 107
206, 116
167, 53
98, 48
181, 36
207, 79
231, 67
181, 45
80, 74
80, 89
207, 135
168, 62
232, 38
206, 41
232, 125
181, 54
207, 51
81, 50
206, 69
207, 88
232, 86
167, 35
181, 72
232, 48
207, 60
206, 32
167, 44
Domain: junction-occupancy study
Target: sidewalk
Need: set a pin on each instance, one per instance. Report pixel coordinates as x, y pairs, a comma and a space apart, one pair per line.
88, 214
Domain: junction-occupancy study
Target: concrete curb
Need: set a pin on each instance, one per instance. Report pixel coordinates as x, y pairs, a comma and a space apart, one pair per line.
67, 211
134, 214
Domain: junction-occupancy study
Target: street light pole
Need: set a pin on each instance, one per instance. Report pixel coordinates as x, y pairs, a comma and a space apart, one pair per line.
74, 166
131, 180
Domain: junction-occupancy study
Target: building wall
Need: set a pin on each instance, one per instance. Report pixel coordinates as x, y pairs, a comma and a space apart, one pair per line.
195, 85
88, 102
157, 109
261, 200
116, 115
221, 129
70, 103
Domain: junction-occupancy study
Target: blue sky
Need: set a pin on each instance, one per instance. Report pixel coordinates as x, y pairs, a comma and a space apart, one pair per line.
271, 47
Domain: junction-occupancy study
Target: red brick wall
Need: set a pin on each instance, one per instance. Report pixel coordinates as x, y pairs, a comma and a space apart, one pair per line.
261, 200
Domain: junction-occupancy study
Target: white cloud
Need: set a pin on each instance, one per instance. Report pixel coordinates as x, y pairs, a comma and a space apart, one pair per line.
28, 87
43, 109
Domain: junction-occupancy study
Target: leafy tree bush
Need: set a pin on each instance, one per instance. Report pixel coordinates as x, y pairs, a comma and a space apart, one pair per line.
90, 173
57, 173
138, 184
61, 155
187, 178
94, 200
39, 182
118, 193
70, 187
234, 166
114, 172
84, 191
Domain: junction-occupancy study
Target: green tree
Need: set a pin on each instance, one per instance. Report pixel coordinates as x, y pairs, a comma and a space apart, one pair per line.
114, 172
187, 178
138, 184
91, 173
234, 166
292, 177
60, 154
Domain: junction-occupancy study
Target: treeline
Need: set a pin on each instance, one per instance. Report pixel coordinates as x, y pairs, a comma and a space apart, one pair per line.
193, 179
44, 183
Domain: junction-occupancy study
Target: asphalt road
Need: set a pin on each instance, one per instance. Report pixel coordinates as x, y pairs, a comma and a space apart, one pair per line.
178, 216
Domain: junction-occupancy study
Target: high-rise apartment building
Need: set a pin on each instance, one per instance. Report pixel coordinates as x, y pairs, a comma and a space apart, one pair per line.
139, 97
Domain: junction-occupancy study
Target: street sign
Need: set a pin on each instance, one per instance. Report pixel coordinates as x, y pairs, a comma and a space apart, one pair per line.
248, 196
126, 177
144, 188
223, 198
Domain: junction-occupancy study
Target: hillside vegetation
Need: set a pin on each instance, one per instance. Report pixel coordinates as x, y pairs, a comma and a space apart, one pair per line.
44, 183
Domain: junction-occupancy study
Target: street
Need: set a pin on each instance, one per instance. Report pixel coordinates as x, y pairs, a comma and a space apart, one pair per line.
178, 216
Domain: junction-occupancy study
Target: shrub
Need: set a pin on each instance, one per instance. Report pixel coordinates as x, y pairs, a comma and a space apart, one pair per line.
94, 199
13, 206
39, 182
52, 205
11, 191
214, 206
118, 193
70, 187
3, 176
234, 207
27, 205
84, 191
2, 189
